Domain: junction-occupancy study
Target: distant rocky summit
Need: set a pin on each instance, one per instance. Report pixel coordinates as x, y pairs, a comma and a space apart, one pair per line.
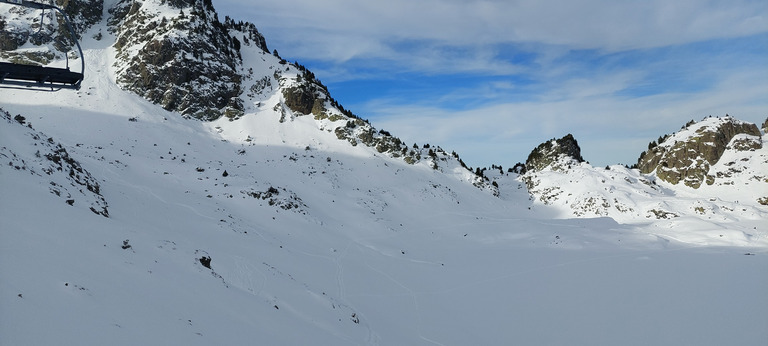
687, 155
725, 153
553, 151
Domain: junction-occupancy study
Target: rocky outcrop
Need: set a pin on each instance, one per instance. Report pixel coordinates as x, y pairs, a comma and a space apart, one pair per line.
32, 153
303, 99
82, 13
553, 151
687, 155
187, 63
303, 94
10, 40
557, 156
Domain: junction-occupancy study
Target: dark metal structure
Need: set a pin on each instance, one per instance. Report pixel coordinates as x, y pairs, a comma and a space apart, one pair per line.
42, 77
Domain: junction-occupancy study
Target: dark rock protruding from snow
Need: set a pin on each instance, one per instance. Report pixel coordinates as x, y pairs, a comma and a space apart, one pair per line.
688, 154
553, 151
187, 62
30, 152
82, 14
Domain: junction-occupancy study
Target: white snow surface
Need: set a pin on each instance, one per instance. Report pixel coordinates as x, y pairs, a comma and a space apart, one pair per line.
315, 241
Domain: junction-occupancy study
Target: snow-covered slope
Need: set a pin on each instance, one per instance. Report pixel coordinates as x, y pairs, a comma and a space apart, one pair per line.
281, 227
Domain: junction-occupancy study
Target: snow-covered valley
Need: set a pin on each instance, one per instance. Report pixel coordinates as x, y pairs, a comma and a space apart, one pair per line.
273, 229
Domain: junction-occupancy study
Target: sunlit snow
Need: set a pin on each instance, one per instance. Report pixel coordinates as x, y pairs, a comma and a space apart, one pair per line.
313, 241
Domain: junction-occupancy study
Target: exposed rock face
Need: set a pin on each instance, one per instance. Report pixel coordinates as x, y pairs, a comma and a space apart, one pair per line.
82, 13
687, 155
302, 99
9, 40
306, 94
553, 151
187, 63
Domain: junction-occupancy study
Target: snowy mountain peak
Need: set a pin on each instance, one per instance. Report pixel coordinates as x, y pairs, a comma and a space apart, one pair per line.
686, 156
179, 55
725, 152
554, 154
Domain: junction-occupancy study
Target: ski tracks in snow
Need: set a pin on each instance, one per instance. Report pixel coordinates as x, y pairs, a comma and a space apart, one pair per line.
244, 279
340, 270
373, 337
415, 299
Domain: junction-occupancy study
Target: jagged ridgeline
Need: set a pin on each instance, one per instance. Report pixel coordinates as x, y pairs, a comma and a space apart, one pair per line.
179, 55
46, 29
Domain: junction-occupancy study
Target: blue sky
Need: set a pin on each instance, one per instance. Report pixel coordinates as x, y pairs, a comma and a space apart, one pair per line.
492, 79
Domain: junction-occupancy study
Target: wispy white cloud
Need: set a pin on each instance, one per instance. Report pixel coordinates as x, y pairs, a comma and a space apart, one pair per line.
341, 30
493, 78
610, 129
